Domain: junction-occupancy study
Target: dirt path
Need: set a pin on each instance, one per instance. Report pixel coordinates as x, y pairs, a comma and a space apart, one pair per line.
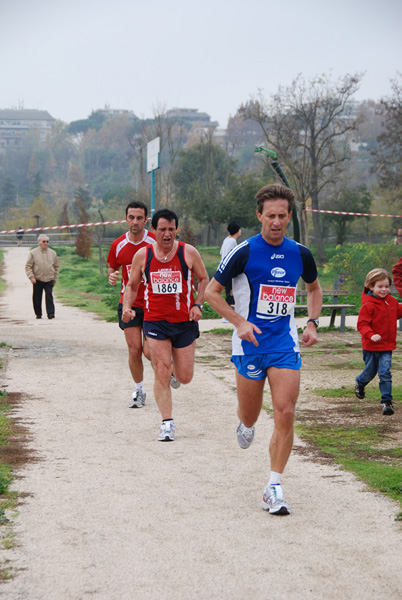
112, 514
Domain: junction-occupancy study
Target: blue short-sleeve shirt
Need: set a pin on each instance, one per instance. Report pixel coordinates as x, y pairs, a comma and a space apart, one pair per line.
264, 288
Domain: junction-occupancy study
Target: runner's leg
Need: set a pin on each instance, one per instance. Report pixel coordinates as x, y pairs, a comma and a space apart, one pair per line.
161, 357
284, 385
133, 337
249, 397
183, 363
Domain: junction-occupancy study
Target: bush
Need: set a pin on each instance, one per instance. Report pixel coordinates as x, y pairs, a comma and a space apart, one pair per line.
353, 261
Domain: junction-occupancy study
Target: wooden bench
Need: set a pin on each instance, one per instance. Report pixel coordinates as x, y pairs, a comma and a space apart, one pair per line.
334, 307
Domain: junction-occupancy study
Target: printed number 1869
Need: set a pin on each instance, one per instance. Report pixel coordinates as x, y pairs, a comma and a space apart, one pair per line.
167, 288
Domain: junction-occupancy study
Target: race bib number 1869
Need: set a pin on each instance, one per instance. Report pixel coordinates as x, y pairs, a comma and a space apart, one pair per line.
276, 301
166, 282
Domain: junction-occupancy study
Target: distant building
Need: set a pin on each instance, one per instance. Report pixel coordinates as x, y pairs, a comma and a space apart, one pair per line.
14, 124
108, 112
190, 116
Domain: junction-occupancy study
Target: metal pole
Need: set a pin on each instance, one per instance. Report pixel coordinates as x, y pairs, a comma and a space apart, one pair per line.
152, 192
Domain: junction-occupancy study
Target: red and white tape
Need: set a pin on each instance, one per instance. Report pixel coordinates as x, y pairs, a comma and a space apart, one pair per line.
62, 226
332, 212
340, 212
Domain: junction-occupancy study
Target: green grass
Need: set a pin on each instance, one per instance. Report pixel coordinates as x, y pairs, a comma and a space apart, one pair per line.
358, 450
81, 285
363, 449
211, 258
6, 472
372, 391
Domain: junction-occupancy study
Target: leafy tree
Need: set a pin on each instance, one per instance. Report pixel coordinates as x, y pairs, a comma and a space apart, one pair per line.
104, 156
239, 202
389, 155
200, 178
309, 125
83, 240
171, 135
94, 121
8, 193
36, 188
348, 200
354, 261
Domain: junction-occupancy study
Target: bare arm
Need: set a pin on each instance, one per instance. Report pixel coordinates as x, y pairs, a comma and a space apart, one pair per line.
314, 303
130, 294
245, 329
198, 268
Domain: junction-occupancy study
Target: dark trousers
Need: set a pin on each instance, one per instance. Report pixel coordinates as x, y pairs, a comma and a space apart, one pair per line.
38, 288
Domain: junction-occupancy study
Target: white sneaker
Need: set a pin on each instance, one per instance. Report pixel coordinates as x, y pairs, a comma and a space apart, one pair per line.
225, 320
138, 399
174, 383
245, 435
167, 431
273, 501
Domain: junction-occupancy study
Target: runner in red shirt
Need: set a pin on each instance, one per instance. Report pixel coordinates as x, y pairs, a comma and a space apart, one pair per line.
170, 311
121, 256
397, 273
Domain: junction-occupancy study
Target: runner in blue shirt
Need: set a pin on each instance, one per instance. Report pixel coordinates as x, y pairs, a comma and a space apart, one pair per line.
265, 270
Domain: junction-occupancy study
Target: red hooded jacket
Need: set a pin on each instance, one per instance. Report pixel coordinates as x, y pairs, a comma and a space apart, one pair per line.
378, 315
397, 274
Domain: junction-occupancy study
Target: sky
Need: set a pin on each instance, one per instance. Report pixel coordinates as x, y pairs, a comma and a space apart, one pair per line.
71, 57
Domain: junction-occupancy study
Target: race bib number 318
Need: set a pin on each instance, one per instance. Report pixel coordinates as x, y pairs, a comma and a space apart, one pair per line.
166, 282
276, 301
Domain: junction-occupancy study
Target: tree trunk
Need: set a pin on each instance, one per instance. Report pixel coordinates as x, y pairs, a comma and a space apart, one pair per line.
304, 229
321, 256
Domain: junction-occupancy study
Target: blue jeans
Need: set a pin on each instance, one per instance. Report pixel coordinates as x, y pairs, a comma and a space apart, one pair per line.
378, 362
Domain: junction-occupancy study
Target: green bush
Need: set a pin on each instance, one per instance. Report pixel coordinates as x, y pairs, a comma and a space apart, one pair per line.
353, 261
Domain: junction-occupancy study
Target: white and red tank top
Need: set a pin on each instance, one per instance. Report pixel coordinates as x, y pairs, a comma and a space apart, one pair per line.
168, 292
121, 254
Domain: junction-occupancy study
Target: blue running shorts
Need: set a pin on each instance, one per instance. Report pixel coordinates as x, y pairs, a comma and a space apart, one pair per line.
254, 366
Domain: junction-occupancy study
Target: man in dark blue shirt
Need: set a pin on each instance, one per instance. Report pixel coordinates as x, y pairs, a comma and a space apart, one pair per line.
265, 270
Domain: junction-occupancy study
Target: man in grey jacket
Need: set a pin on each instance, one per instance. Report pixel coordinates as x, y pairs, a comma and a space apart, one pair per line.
42, 268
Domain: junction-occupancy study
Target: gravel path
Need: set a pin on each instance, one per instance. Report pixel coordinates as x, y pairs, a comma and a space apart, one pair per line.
112, 514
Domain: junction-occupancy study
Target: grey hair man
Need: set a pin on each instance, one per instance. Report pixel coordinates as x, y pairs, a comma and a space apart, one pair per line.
42, 269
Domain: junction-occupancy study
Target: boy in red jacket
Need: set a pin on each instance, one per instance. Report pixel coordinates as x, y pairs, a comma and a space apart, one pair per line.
377, 324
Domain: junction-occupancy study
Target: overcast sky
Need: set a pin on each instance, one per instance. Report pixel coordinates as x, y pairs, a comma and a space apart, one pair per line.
70, 57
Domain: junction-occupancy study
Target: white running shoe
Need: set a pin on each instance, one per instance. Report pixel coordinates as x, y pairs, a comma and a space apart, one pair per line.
245, 435
167, 431
174, 383
273, 501
138, 399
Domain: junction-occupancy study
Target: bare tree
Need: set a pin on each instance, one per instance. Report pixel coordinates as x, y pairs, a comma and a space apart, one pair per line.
309, 124
389, 154
171, 134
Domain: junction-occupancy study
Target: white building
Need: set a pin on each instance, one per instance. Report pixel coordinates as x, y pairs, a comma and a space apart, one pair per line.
14, 124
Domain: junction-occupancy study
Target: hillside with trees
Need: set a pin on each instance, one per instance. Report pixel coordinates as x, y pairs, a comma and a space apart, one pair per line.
338, 154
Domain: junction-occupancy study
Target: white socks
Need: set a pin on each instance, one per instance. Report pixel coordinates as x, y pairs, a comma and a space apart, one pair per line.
275, 478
